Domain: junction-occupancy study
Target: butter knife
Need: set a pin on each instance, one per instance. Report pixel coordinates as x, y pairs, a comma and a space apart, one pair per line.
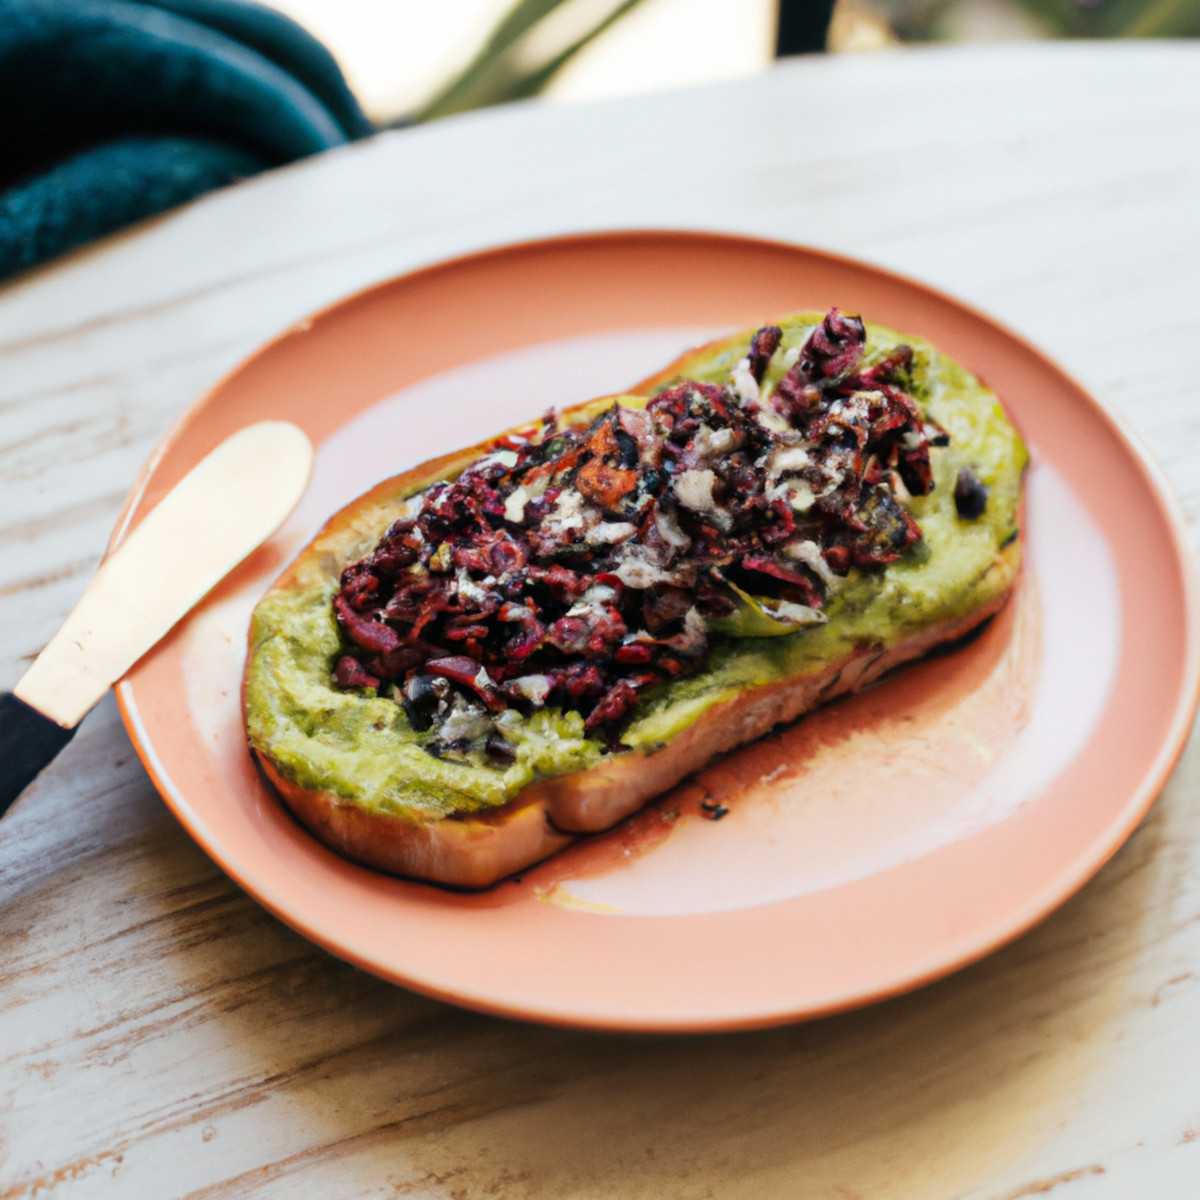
223, 509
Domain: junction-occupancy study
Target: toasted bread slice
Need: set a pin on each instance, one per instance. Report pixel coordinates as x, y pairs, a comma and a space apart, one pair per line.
354, 770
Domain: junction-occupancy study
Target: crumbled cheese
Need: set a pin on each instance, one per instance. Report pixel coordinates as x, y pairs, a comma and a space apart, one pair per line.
809, 553
638, 570
714, 443
743, 384
535, 688
464, 722
482, 678
591, 603
514, 506
801, 497
600, 593
695, 628
694, 490
833, 480
796, 614
788, 458
610, 533
668, 529
566, 515
796, 493
468, 589
773, 422
590, 612
504, 458
855, 408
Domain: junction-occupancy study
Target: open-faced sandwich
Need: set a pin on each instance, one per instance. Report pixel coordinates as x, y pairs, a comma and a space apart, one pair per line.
495, 652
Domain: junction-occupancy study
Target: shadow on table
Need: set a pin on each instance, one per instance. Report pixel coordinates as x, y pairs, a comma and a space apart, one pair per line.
291, 1068
941, 1089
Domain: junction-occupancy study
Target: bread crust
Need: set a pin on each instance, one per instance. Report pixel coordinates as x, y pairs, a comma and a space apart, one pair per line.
476, 850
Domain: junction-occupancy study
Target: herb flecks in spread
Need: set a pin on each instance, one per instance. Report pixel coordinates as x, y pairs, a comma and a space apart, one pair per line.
578, 568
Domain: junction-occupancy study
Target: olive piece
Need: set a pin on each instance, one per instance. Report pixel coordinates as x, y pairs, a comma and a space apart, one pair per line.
500, 750
970, 495
424, 695
627, 446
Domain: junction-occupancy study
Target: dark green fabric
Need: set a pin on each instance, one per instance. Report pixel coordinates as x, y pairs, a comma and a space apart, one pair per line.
286, 44
111, 110
107, 187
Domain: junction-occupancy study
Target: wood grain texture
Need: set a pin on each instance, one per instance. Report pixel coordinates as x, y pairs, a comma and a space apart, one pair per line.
162, 1036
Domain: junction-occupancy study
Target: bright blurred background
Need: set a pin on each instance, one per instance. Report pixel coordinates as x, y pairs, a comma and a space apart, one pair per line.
425, 58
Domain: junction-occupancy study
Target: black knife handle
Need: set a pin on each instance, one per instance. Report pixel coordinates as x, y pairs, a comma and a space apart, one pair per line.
28, 741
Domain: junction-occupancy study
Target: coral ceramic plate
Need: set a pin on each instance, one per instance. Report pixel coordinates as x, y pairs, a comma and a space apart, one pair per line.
874, 846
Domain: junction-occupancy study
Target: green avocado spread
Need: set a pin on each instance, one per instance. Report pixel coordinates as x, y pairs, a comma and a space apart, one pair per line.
362, 746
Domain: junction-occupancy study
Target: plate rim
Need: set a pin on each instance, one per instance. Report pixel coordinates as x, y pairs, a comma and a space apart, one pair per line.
1065, 884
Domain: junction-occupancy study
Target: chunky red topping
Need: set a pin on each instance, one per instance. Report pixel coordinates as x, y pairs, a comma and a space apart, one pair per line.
580, 567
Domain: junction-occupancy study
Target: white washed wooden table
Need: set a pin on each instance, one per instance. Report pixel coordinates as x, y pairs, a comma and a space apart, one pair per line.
162, 1036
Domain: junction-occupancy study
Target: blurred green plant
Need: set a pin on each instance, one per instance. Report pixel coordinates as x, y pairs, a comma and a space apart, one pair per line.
530, 45
1118, 18
924, 20
537, 38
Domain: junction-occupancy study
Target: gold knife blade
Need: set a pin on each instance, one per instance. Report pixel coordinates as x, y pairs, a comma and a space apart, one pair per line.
223, 509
